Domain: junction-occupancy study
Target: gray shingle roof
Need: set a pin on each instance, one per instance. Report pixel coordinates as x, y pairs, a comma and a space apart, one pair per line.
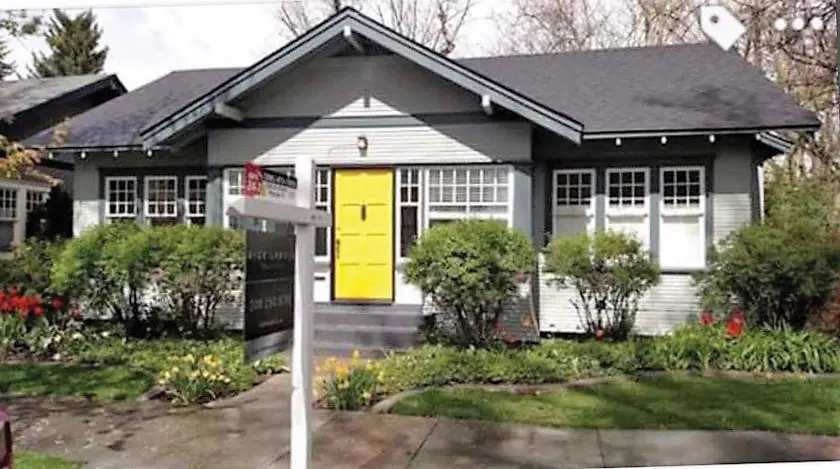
684, 87
671, 88
17, 96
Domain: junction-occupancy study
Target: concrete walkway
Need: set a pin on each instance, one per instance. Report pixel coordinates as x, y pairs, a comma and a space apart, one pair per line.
252, 431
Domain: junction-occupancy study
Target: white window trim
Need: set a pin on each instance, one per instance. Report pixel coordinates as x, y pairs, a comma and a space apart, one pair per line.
573, 210
419, 204
146, 201
187, 181
108, 181
429, 215
227, 198
325, 258
643, 211
699, 212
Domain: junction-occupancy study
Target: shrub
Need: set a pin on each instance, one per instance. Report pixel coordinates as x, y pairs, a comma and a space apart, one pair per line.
470, 269
89, 267
611, 271
30, 267
780, 275
347, 386
197, 272
190, 380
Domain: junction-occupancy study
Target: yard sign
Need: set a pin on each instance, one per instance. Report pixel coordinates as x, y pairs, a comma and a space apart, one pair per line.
271, 199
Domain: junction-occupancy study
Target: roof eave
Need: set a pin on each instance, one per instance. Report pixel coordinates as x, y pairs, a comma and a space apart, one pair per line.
320, 36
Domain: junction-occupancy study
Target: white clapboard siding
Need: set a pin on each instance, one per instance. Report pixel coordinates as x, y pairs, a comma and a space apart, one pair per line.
456, 143
359, 86
669, 304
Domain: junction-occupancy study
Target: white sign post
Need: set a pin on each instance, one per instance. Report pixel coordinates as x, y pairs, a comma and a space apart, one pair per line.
306, 218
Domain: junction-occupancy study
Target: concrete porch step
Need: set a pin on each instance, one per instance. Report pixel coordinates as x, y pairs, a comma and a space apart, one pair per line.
389, 337
380, 316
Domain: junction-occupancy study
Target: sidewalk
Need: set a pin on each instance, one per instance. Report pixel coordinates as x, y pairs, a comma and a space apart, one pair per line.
252, 431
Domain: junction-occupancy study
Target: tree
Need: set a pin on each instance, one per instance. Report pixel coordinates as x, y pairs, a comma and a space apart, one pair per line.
436, 24
74, 47
7, 66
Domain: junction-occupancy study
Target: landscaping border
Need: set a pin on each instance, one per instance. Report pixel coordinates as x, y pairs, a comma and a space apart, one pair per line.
384, 406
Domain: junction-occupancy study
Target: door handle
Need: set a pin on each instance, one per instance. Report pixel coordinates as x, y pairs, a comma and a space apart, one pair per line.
364, 212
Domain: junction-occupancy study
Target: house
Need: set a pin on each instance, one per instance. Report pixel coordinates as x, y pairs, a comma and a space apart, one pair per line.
28, 107
665, 142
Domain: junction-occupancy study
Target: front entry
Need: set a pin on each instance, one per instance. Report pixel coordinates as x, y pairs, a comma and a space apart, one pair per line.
363, 260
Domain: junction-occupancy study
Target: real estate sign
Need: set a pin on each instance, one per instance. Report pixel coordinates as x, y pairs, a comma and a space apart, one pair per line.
269, 272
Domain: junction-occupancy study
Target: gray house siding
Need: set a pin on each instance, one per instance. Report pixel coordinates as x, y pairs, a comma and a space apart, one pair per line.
729, 169
89, 174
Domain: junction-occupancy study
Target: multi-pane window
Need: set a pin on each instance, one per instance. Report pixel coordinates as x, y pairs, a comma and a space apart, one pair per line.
456, 193
322, 202
574, 201
34, 199
196, 199
161, 199
8, 217
121, 197
682, 231
409, 208
627, 208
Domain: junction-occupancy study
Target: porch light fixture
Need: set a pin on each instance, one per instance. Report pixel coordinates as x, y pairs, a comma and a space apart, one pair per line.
664, 140
116, 153
149, 153
618, 142
50, 155
711, 138
362, 143
83, 155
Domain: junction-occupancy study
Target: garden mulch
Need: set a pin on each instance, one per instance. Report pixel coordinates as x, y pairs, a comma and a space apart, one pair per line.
252, 430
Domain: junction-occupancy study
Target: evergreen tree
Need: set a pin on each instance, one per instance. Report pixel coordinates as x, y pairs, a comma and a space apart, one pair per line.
74, 47
7, 66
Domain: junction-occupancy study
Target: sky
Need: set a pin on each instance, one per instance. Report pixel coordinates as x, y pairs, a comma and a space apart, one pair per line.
146, 43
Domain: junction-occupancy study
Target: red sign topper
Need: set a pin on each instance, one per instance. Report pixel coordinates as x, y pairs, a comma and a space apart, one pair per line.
254, 183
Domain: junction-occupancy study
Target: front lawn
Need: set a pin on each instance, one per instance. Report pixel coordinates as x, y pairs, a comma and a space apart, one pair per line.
678, 402
111, 383
29, 460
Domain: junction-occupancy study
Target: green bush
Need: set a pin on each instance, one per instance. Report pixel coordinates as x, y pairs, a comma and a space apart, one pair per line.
785, 270
469, 269
780, 275
89, 266
611, 271
30, 267
197, 271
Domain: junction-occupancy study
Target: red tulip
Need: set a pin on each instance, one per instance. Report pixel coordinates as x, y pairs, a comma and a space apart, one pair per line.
707, 318
57, 303
734, 327
600, 334
38, 310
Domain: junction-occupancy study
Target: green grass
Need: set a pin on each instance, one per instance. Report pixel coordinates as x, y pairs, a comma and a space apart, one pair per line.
110, 383
679, 402
29, 460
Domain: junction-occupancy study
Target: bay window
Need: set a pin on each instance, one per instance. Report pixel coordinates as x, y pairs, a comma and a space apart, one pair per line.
573, 201
468, 192
682, 231
628, 202
161, 199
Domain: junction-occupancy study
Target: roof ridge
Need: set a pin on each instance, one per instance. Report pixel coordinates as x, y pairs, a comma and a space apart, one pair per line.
590, 51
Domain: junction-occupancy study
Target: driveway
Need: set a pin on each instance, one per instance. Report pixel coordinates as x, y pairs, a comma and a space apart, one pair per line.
252, 430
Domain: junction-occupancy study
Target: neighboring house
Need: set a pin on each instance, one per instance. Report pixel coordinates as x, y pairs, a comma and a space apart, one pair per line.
28, 107
662, 141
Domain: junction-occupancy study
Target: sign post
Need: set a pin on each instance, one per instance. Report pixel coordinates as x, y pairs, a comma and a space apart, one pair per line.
285, 199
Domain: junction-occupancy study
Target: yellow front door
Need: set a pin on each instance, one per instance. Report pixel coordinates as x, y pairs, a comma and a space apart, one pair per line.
364, 235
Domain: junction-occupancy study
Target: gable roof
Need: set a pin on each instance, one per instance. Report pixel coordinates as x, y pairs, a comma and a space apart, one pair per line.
345, 22
692, 88
18, 96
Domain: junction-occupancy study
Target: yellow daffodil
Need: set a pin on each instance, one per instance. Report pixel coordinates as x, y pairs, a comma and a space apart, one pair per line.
174, 369
366, 396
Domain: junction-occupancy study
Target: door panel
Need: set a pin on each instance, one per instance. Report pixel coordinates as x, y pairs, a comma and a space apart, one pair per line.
364, 235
